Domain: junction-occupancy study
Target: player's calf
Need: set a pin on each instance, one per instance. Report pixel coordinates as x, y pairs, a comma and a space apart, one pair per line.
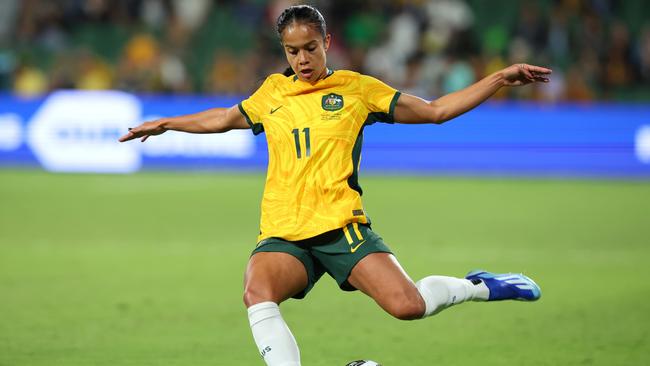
441, 292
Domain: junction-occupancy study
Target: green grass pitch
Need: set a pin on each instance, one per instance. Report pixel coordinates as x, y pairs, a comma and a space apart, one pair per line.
147, 270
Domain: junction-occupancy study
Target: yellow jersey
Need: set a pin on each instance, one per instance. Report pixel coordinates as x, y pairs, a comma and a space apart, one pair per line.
314, 135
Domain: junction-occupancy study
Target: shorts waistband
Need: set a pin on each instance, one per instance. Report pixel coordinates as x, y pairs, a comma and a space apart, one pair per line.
320, 239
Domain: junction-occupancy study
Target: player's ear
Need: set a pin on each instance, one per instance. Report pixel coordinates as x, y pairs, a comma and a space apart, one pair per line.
326, 42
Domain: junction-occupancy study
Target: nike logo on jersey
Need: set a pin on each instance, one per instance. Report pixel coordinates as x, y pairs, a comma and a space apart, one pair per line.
274, 110
354, 249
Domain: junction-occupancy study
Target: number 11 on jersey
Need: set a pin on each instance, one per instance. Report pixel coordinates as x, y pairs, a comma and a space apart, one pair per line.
296, 137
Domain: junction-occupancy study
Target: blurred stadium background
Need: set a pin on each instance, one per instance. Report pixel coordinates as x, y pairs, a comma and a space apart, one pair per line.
145, 268
600, 49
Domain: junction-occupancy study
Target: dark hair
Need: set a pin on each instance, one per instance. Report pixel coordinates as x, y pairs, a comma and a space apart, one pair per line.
301, 14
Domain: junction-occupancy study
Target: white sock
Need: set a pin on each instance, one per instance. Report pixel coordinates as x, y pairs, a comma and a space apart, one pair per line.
272, 336
441, 292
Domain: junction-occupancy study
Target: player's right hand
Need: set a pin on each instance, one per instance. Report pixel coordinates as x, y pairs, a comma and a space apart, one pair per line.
145, 130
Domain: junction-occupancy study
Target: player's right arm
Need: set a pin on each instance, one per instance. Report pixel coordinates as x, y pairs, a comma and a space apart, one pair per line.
215, 120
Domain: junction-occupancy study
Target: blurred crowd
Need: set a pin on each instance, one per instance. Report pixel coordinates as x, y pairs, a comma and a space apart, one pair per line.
598, 49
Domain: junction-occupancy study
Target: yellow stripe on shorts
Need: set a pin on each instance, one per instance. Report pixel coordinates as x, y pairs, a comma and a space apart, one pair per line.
355, 226
347, 234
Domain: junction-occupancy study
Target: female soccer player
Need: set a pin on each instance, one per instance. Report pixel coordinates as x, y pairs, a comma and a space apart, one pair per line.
313, 220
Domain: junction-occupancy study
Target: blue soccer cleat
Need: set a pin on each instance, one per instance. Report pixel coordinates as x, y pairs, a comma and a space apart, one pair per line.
507, 286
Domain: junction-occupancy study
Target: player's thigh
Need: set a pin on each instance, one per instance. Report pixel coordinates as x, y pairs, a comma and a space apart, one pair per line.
380, 276
273, 276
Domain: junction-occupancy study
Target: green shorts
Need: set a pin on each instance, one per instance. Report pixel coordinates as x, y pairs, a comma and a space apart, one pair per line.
335, 252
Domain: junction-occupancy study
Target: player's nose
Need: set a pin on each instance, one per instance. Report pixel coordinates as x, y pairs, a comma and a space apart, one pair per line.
302, 58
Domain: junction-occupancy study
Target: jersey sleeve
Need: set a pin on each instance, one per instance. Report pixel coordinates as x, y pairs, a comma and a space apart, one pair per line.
380, 99
257, 105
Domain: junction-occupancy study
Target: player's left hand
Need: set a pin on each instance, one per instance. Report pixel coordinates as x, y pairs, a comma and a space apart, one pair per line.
522, 74
144, 131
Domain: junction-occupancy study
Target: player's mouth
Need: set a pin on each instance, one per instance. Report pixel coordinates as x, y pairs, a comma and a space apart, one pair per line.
306, 73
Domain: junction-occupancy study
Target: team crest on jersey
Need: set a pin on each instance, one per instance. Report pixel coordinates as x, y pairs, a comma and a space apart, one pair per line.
332, 102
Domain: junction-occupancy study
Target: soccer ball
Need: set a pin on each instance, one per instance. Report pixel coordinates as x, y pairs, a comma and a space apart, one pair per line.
363, 363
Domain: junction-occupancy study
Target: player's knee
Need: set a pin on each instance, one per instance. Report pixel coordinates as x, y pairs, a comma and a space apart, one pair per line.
407, 312
255, 294
406, 307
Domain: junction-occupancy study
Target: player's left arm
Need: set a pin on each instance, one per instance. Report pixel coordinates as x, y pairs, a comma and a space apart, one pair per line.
412, 109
